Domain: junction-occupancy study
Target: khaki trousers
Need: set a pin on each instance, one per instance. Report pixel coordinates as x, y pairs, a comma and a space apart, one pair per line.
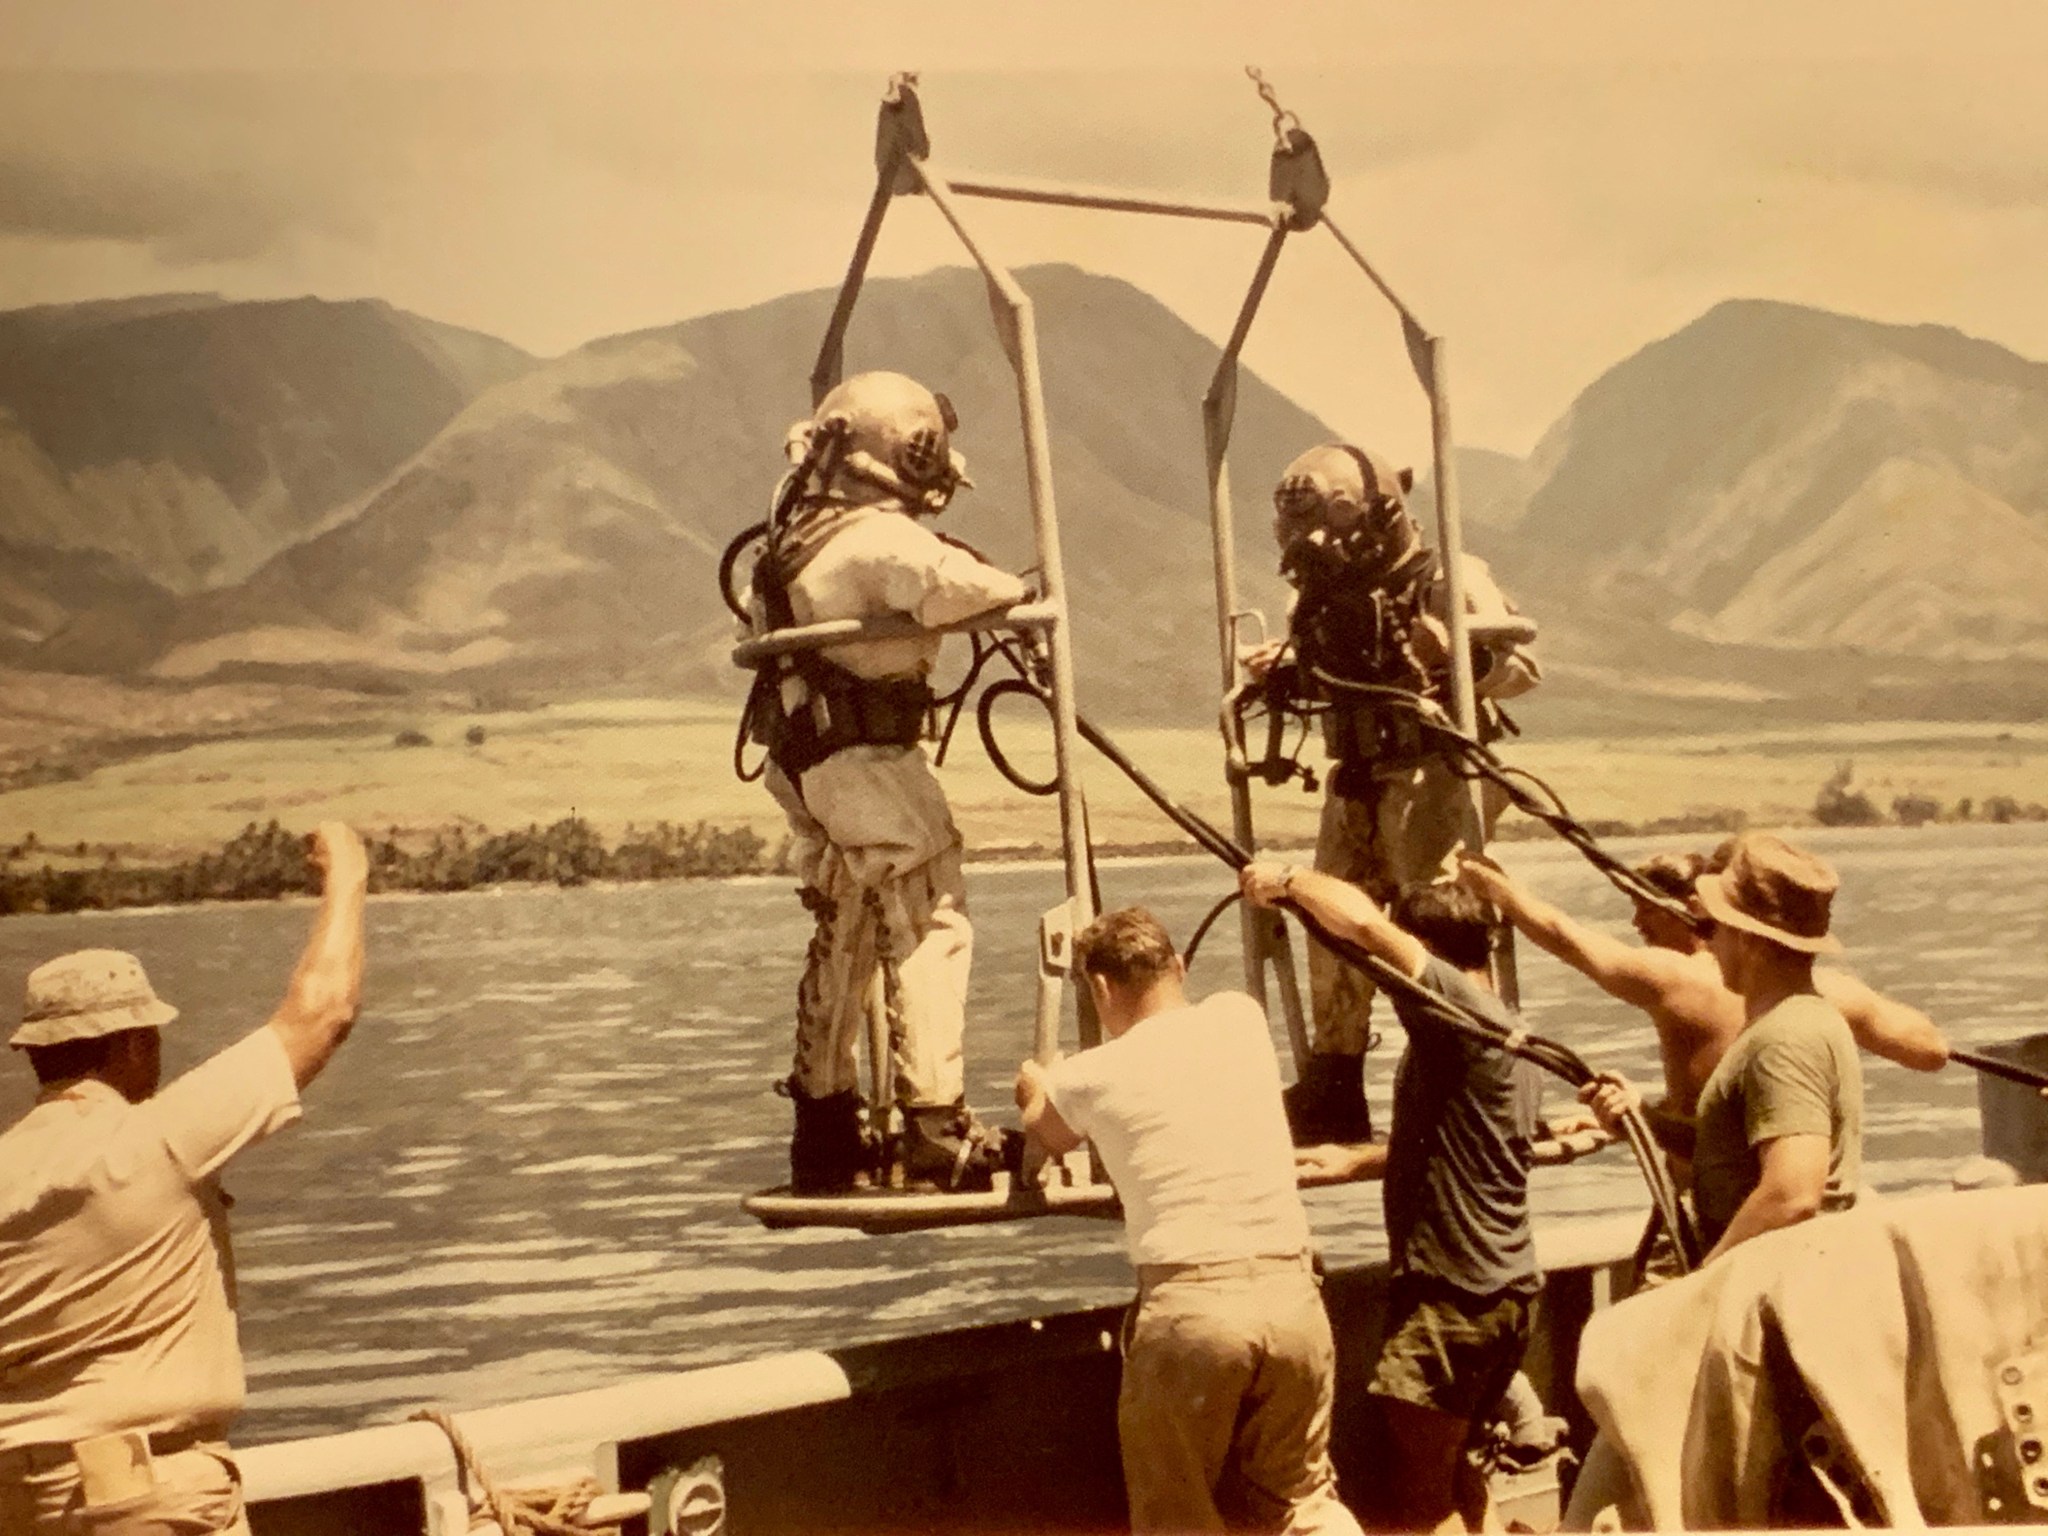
198, 1492
879, 860
1406, 830
1229, 1373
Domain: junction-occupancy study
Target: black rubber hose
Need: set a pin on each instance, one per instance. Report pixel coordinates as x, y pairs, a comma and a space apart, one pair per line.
1187, 956
1482, 761
1549, 1055
748, 712
728, 566
1991, 1066
1552, 1057
984, 721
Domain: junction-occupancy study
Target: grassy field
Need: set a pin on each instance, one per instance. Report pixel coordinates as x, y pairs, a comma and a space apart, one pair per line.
642, 761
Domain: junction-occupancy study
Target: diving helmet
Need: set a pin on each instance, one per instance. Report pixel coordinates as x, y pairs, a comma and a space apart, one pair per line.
891, 433
1338, 506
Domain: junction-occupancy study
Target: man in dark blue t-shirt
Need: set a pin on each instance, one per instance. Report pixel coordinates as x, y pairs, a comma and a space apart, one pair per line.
1463, 1265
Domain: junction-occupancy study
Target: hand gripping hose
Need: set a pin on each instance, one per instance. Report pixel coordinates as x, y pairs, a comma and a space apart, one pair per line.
1559, 1060
1481, 760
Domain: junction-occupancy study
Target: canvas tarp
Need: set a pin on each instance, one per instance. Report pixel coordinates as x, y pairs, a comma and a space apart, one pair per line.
1893, 1344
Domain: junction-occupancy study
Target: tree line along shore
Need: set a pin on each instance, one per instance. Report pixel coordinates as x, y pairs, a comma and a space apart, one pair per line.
263, 862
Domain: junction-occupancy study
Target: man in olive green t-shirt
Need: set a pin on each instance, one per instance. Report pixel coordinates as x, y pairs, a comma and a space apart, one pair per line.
1791, 1074
1781, 1117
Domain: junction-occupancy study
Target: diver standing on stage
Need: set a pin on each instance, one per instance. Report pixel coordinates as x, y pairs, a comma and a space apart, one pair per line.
1366, 625
876, 849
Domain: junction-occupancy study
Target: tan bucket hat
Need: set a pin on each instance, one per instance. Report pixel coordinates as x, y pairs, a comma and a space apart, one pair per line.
86, 994
1776, 891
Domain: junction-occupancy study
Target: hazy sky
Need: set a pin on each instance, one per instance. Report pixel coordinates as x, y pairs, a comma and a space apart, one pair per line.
1550, 185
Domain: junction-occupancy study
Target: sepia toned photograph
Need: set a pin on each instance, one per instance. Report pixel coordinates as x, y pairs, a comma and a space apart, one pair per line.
1065, 768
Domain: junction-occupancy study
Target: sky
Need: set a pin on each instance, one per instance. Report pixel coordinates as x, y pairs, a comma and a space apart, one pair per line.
1550, 186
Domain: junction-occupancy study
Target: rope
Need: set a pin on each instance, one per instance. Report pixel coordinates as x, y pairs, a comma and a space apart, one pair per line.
518, 1511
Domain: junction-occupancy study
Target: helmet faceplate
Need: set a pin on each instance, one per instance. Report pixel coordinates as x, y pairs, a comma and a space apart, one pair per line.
1342, 505
893, 434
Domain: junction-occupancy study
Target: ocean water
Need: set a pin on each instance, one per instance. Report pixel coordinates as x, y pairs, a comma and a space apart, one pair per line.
523, 1173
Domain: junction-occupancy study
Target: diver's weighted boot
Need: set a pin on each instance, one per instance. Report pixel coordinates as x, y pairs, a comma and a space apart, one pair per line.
1328, 1103
830, 1154
945, 1147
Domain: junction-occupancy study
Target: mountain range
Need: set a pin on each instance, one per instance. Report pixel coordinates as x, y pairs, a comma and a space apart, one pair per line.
1776, 510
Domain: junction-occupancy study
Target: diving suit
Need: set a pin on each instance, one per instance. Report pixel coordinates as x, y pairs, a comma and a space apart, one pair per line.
875, 846
1365, 630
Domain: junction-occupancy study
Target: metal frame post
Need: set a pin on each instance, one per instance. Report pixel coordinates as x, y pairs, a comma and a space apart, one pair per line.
1018, 329
1426, 354
1263, 935
1450, 533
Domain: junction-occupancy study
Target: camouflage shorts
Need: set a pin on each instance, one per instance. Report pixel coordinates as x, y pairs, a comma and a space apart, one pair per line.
1448, 1349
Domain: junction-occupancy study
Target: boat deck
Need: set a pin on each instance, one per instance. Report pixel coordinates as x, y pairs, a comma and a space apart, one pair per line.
1005, 1426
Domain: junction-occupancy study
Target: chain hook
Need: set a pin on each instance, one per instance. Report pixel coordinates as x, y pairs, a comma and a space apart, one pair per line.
1284, 121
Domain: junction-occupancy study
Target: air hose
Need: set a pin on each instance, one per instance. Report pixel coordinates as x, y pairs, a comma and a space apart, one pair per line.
1478, 760
1559, 1060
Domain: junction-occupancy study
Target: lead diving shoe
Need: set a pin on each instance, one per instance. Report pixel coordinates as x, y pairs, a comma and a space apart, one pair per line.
946, 1148
1328, 1103
830, 1154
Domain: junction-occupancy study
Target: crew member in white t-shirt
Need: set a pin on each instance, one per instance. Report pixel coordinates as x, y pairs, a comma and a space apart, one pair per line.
1229, 1369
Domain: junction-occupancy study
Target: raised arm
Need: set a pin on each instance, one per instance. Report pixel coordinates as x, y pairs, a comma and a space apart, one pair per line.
1639, 976
1882, 1025
1341, 907
320, 1004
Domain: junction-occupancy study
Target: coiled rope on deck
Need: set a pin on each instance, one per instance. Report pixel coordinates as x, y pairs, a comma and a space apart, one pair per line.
562, 1511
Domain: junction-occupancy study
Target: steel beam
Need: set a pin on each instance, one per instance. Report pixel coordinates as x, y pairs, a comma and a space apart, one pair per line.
1263, 936
831, 363
1014, 189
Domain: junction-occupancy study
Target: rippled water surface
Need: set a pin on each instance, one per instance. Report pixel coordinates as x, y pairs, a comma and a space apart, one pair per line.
523, 1173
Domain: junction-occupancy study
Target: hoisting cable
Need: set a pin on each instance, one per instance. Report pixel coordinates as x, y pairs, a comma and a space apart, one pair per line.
1559, 1060
949, 705
1284, 121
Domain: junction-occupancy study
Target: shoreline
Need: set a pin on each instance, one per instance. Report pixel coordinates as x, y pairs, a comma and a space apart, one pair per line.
1022, 859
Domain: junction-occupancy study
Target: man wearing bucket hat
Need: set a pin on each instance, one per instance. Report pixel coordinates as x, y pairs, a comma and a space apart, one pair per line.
1672, 977
1780, 1117
119, 1363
